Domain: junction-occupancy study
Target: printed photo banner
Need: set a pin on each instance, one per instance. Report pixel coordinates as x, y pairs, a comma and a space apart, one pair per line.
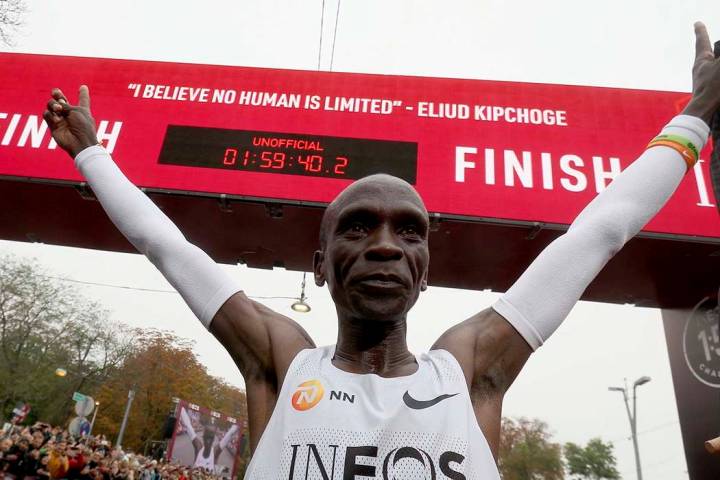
205, 439
478, 149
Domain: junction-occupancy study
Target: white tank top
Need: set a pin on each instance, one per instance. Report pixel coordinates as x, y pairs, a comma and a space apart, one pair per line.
329, 424
208, 462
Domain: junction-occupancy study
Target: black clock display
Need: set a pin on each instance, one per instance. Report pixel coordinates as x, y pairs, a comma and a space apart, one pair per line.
287, 153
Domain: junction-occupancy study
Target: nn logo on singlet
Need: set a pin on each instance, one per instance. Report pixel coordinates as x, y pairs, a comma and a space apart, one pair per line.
307, 395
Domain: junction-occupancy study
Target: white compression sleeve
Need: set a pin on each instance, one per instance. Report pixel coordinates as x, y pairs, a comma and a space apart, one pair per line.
543, 296
200, 281
185, 419
228, 436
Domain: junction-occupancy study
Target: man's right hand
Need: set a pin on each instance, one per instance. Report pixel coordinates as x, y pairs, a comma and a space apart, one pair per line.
72, 127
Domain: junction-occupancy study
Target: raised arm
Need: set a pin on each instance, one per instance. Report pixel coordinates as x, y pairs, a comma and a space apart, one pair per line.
187, 425
227, 438
261, 342
493, 345
543, 296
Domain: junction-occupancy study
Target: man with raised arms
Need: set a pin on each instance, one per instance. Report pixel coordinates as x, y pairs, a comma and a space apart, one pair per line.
367, 407
206, 450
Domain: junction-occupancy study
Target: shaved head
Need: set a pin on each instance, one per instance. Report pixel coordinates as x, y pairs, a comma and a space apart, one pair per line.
378, 185
374, 252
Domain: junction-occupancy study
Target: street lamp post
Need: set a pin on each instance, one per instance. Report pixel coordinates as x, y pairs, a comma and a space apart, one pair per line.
92, 422
131, 396
632, 416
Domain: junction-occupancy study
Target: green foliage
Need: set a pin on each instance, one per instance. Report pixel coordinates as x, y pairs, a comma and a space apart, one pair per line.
594, 462
527, 453
43, 326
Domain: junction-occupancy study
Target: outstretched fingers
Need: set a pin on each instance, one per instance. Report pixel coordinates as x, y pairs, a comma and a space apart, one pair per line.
703, 46
84, 97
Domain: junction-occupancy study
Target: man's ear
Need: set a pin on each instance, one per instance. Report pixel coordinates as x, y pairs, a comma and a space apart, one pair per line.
424, 282
318, 260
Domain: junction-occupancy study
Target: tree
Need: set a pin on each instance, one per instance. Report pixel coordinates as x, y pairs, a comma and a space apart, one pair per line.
45, 325
161, 367
527, 453
11, 13
594, 462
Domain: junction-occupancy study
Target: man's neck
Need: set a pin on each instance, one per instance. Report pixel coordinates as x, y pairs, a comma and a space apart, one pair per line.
374, 347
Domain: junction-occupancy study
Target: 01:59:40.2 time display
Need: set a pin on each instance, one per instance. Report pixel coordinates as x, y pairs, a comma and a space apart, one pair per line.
306, 164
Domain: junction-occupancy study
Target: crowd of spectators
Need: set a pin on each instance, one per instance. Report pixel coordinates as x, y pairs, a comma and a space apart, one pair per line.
44, 452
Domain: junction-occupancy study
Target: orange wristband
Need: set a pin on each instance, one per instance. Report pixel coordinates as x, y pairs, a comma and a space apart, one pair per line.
686, 153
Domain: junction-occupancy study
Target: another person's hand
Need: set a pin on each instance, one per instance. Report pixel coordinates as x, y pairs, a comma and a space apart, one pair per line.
706, 78
72, 127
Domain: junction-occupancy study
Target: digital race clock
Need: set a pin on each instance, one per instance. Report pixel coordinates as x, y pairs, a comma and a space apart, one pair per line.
288, 153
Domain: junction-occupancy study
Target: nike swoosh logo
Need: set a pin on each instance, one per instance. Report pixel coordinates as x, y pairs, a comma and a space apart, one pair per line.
422, 404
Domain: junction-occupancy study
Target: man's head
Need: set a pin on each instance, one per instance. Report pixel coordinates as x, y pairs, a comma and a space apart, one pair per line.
38, 439
374, 248
209, 434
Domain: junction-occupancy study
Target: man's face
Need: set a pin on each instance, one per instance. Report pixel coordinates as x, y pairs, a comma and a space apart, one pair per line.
375, 256
209, 435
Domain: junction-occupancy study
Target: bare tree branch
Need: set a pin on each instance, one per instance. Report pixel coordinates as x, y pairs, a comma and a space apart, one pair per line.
11, 18
44, 326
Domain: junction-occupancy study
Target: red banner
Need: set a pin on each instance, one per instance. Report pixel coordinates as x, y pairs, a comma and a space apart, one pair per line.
482, 149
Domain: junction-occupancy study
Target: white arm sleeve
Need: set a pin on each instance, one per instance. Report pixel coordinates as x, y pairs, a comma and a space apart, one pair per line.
228, 436
543, 296
200, 281
185, 419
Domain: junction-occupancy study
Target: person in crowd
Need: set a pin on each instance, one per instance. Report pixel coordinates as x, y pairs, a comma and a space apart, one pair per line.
18, 458
32, 463
76, 462
42, 472
58, 464
149, 471
43, 452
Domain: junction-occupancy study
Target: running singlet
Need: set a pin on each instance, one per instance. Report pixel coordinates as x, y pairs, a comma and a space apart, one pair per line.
329, 424
208, 462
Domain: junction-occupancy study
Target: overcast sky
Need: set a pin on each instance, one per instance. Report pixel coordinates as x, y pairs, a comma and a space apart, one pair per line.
640, 44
